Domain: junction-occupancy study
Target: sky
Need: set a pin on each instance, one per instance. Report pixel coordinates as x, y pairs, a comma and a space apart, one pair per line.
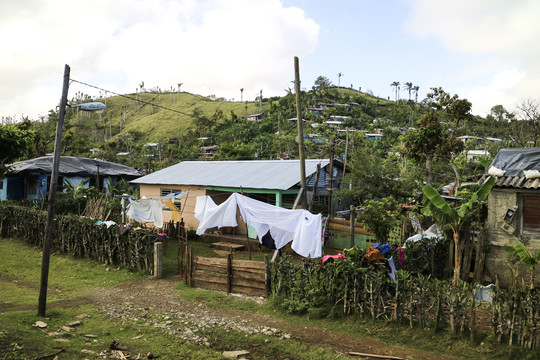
482, 50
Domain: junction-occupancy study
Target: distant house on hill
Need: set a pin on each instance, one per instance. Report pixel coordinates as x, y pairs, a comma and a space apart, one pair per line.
276, 182
514, 208
29, 179
255, 117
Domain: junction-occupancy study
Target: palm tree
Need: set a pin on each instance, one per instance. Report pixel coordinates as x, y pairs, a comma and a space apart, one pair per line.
339, 75
409, 87
395, 84
241, 94
415, 89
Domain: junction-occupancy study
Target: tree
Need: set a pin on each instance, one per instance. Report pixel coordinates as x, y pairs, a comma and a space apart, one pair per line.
409, 88
444, 214
16, 141
380, 217
339, 75
241, 94
395, 85
322, 83
415, 89
432, 138
373, 175
529, 114
423, 143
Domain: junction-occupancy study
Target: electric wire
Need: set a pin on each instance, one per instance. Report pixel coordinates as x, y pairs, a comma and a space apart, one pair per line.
134, 99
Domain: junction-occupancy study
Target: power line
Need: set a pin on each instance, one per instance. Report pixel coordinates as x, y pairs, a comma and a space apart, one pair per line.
134, 99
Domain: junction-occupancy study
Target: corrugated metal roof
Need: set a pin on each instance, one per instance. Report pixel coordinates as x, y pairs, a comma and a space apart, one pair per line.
516, 182
70, 165
250, 174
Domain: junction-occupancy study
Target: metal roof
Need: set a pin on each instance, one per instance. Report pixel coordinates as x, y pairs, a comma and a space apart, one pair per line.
514, 163
74, 166
515, 182
249, 174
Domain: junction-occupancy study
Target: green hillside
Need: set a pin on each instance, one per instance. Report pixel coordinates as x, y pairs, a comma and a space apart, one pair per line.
156, 117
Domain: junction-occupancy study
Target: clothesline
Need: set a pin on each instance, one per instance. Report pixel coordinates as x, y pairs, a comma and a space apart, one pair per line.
299, 226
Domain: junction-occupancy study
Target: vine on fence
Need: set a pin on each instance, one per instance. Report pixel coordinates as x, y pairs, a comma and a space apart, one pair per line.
81, 237
355, 286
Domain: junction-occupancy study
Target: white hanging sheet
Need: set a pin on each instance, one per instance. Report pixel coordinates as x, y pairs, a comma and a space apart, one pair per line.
150, 210
211, 215
299, 226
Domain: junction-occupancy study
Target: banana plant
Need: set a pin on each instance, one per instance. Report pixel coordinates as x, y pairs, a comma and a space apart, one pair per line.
525, 256
444, 214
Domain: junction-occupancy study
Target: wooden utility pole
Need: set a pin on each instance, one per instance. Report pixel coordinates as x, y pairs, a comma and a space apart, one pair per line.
331, 178
42, 302
315, 184
300, 126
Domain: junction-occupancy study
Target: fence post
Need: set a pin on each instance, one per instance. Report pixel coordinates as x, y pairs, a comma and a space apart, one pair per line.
190, 268
352, 224
229, 273
267, 275
158, 260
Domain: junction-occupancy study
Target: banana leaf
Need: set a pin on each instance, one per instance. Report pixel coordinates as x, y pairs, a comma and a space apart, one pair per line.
436, 206
526, 257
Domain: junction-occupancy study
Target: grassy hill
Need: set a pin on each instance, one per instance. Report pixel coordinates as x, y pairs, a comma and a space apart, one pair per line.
157, 118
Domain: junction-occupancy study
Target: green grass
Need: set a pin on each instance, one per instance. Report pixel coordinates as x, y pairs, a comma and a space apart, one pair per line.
215, 299
69, 278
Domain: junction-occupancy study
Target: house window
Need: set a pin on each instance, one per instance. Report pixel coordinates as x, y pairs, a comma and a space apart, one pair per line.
530, 213
177, 202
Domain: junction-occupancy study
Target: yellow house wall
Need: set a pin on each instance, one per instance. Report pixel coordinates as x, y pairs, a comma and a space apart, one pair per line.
188, 203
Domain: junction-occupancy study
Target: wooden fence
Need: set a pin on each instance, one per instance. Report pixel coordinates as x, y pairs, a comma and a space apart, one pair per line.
229, 275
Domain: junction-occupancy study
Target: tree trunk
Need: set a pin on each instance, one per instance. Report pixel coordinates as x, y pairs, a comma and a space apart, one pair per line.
457, 258
456, 173
429, 168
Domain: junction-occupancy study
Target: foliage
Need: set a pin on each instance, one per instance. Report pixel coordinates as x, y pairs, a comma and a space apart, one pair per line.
373, 175
352, 286
15, 142
455, 217
81, 237
525, 256
379, 217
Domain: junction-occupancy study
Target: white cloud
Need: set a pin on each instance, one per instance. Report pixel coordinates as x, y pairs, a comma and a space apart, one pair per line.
499, 35
211, 46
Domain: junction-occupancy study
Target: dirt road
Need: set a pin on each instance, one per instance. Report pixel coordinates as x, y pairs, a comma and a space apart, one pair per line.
157, 302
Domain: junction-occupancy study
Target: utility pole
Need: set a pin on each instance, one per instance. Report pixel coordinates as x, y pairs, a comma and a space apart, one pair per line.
42, 302
300, 126
331, 178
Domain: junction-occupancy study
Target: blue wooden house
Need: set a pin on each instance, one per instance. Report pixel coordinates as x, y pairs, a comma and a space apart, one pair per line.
29, 179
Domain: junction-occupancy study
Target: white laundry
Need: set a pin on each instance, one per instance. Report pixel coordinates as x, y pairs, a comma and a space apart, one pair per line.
146, 210
299, 226
150, 210
392, 273
211, 215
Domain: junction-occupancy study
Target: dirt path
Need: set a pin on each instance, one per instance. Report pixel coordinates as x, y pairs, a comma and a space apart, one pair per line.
141, 297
